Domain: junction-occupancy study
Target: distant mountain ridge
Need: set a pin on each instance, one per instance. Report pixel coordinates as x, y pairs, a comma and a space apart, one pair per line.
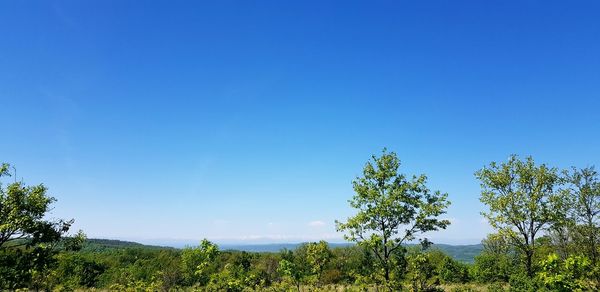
98, 244
464, 253
272, 247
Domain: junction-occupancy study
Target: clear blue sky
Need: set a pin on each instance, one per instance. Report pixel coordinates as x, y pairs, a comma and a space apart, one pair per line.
168, 121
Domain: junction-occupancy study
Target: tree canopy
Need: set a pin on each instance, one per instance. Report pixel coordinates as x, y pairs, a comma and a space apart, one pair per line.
28, 241
391, 209
522, 199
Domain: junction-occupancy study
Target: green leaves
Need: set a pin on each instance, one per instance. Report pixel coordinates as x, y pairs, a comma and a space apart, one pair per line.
197, 262
572, 274
522, 198
25, 235
318, 255
583, 188
292, 268
391, 209
22, 211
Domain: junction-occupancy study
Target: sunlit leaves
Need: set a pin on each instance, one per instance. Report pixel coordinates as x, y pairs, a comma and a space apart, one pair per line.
197, 261
522, 199
391, 209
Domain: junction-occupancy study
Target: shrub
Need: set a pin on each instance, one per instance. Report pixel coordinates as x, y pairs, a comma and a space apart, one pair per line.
464, 288
572, 274
489, 268
452, 271
496, 287
520, 282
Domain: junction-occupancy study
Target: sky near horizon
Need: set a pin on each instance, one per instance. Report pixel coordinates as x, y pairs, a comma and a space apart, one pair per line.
246, 121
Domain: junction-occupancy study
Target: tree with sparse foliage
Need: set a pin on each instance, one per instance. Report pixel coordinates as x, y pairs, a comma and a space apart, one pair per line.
522, 198
496, 243
392, 210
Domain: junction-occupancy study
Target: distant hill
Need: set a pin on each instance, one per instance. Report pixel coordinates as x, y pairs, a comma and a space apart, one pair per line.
270, 247
96, 244
463, 253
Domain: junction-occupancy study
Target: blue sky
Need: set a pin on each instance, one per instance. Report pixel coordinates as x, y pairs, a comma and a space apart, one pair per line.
246, 121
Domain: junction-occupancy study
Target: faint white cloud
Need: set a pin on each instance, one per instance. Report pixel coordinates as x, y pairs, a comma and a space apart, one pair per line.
316, 223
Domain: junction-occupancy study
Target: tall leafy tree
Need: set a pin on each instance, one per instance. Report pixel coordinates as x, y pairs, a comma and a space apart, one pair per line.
318, 256
391, 209
523, 198
28, 241
22, 210
585, 193
293, 265
198, 263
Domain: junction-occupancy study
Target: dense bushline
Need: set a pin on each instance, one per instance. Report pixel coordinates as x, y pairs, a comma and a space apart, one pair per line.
310, 265
131, 268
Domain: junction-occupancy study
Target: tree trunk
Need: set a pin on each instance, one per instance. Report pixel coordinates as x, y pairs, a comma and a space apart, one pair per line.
528, 263
387, 273
592, 240
385, 254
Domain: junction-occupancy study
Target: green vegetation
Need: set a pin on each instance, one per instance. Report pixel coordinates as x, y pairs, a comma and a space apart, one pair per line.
546, 240
391, 211
522, 200
29, 244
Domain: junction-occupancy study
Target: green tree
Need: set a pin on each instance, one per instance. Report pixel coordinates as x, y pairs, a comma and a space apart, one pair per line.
494, 263
28, 241
265, 267
349, 264
318, 256
198, 262
392, 209
292, 267
491, 267
522, 199
585, 192
452, 271
75, 242
496, 244
572, 274
421, 272
22, 211
231, 278
75, 270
